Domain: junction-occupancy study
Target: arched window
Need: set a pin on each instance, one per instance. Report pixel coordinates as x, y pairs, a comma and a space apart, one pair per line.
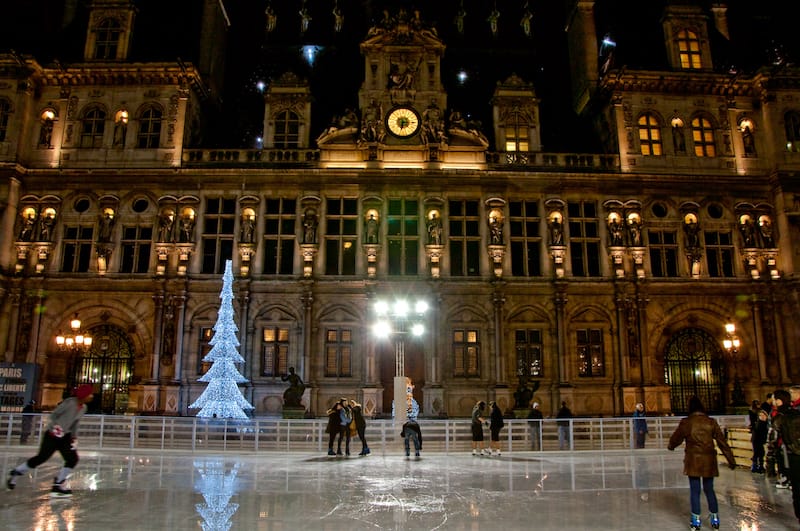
149, 128
703, 137
5, 110
516, 130
693, 367
92, 128
287, 130
689, 50
791, 121
106, 40
650, 135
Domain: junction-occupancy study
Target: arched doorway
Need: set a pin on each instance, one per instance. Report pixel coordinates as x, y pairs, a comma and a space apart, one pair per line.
108, 365
693, 366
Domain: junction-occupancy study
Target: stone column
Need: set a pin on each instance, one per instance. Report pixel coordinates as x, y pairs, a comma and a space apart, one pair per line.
7, 224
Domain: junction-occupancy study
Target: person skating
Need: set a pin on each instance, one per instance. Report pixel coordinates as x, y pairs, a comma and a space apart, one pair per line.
477, 429
60, 435
496, 423
640, 425
332, 429
535, 420
411, 433
564, 428
361, 426
345, 418
700, 458
787, 425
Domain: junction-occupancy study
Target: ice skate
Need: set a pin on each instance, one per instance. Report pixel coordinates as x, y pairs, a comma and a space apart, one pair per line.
12, 479
60, 491
714, 519
694, 523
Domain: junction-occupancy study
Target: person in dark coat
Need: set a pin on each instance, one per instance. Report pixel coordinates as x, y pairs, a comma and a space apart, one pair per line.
496, 424
787, 425
332, 429
758, 436
563, 416
535, 421
361, 425
412, 434
640, 425
700, 432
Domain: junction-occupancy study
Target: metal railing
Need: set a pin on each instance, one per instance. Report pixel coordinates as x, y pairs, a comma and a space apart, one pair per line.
192, 434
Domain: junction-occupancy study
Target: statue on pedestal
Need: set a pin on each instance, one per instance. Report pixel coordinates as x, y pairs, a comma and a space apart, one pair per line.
292, 395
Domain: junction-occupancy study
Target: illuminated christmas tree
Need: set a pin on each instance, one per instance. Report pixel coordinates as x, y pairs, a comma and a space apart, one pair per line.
222, 398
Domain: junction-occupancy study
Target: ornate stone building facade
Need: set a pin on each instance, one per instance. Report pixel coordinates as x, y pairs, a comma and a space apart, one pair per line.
601, 279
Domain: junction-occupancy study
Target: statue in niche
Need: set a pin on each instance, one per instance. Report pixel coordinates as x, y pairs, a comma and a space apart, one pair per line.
432, 124
187, 229
692, 229
496, 230
617, 233
766, 233
165, 224
310, 226
106, 227
46, 225
556, 232
434, 230
28, 225
372, 229
748, 230
293, 395
248, 230
635, 229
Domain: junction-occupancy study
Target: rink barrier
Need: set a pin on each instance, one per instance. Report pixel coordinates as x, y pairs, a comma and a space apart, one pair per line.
195, 434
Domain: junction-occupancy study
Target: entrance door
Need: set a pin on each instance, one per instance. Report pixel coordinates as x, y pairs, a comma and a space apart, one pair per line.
108, 366
693, 366
415, 369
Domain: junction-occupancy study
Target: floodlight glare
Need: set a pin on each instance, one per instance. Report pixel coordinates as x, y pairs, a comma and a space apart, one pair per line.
417, 329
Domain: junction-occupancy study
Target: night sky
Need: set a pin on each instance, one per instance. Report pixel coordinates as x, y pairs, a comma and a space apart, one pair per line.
168, 29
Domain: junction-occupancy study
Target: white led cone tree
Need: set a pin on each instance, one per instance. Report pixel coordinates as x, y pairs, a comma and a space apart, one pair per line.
222, 397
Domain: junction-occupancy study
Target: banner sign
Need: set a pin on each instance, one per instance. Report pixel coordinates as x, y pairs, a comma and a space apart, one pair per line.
17, 384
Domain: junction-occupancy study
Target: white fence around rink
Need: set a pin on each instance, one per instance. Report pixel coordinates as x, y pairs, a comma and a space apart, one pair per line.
99, 432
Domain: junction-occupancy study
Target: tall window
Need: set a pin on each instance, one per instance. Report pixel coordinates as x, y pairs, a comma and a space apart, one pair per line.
703, 137
338, 352
275, 351
465, 240
689, 50
663, 253
590, 352
526, 242
5, 109
77, 249
466, 353
136, 243
719, 253
528, 346
206, 333
92, 128
403, 236
516, 134
287, 130
279, 236
341, 222
149, 128
107, 39
584, 240
218, 231
791, 124
650, 135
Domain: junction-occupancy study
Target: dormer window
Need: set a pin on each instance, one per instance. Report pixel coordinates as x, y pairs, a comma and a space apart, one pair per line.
287, 130
149, 128
517, 134
689, 50
107, 36
650, 135
703, 137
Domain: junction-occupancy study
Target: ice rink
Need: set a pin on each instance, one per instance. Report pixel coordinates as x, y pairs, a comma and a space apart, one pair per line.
615, 490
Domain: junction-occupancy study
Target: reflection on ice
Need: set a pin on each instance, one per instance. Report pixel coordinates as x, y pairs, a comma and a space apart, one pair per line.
217, 487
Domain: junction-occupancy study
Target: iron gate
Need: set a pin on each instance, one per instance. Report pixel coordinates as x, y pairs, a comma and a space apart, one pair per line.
693, 366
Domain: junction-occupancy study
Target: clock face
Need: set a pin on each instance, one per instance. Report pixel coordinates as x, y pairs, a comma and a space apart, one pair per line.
402, 122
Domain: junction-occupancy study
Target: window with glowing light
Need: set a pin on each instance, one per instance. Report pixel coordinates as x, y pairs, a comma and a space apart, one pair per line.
528, 346
219, 221
149, 134
287, 130
403, 236
204, 347
280, 218
338, 352
275, 351
791, 125
106, 43
650, 135
466, 353
689, 50
341, 236
591, 362
516, 132
703, 137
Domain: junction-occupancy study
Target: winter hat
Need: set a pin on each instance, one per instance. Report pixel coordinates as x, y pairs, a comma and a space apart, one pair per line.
84, 390
535, 405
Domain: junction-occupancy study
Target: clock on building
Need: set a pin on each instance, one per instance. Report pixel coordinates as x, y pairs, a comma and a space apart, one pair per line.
402, 122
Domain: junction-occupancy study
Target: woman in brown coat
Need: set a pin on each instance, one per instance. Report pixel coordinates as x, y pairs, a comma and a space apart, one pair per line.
700, 460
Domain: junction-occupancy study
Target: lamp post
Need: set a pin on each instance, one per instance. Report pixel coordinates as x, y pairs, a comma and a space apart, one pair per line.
732, 344
399, 318
73, 343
